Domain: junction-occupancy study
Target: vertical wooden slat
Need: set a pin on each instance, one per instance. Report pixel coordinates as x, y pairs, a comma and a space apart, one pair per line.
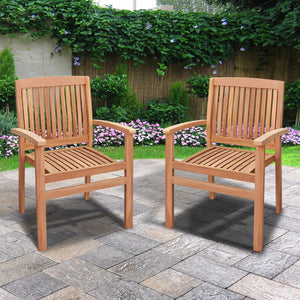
241, 109
235, 111
25, 109
246, 113
30, 110
263, 111
47, 112
73, 107
251, 112
63, 109
84, 109
225, 111
58, 112
274, 109
42, 112
220, 110
69, 110
52, 110
36, 111
230, 110
257, 113
214, 110
79, 111
269, 110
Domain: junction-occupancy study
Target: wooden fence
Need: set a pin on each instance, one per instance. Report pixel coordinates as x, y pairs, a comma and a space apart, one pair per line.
282, 64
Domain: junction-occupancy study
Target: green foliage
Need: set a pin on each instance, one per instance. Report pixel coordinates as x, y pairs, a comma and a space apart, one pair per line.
199, 85
165, 114
114, 114
132, 106
292, 95
291, 103
178, 94
111, 89
7, 122
192, 38
7, 79
7, 64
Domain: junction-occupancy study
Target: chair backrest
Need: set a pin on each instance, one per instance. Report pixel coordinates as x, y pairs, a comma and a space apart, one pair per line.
241, 109
55, 108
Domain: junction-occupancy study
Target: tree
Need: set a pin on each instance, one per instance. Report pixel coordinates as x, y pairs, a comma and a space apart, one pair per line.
191, 5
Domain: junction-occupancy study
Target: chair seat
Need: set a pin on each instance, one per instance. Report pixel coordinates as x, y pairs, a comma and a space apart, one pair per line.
231, 159
72, 159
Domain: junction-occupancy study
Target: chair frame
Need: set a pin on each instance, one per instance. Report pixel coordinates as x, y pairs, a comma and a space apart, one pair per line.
228, 116
57, 114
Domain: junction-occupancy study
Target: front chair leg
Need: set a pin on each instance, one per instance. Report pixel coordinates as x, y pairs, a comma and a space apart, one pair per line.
128, 203
87, 194
259, 200
40, 200
212, 195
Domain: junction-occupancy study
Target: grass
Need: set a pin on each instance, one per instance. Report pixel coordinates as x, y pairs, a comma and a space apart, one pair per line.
290, 155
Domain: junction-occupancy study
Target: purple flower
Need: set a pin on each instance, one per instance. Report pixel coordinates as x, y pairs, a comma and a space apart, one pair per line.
76, 61
172, 40
242, 49
148, 25
32, 16
214, 72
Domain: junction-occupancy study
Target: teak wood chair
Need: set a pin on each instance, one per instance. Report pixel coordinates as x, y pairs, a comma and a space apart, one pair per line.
244, 112
57, 111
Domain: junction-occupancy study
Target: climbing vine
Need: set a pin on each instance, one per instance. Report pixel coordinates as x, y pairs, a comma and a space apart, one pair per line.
193, 38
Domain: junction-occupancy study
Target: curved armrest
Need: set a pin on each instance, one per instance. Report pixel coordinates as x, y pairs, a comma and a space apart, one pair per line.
267, 137
30, 136
178, 127
117, 126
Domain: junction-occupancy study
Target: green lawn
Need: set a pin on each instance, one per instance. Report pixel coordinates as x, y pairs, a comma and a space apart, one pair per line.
290, 154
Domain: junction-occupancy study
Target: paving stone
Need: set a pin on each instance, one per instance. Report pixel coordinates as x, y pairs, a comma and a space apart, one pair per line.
129, 242
81, 274
105, 256
4, 295
291, 211
93, 227
209, 291
259, 288
144, 265
34, 286
16, 244
23, 266
288, 243
284, 222
224, 253
184, 246
4, 229
210, 271
160, 233
171, 283
291, 276
69, 293
70, 248
123, 289
4, 257
268, 264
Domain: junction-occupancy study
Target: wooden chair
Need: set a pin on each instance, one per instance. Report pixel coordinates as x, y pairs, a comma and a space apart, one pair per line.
57, 111
244, 112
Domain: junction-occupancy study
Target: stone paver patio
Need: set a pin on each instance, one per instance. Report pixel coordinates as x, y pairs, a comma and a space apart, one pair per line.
208, 255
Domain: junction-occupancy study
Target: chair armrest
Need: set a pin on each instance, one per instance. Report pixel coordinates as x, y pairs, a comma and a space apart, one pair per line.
178, 127
30, 136
117, 126
267, 137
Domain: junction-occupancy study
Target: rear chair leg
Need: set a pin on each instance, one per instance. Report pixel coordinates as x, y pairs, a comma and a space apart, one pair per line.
87, 194
212, 195
169, 198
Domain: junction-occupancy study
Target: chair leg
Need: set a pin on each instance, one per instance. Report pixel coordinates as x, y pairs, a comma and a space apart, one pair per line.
278, 176
169, 199
128, 201
40, 201
258, 227
21, 185
87, 194
212, 195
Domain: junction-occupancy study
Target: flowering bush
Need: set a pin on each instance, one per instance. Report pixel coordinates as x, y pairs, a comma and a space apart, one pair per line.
146, 134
